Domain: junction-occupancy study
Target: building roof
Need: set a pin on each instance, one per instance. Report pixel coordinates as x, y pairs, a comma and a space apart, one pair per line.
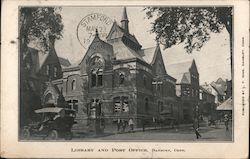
64, 62
122, 52
148, 54
124, 14
180, 71
226, 105
120, 33
38, 55
220, 88
205, 90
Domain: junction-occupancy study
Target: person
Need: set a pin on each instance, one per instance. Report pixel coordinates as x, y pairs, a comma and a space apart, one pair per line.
143, 125
102, 121
124, 124
196, 129
226, 121
154, 122
131, 124
118, 124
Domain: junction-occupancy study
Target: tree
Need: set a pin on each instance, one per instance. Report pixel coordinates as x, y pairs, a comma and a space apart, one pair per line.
39, 24
189, 25
43, 25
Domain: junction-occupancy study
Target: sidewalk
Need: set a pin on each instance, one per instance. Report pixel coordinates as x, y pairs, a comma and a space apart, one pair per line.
107, 132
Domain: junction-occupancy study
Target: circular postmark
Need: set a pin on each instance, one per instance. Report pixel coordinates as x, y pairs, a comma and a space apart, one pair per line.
86, 28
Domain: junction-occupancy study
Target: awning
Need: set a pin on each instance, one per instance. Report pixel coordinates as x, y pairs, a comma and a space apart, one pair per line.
49, 110
226, 105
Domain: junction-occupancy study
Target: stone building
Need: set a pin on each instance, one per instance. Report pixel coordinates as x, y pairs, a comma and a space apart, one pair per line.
207, 104
117, 78
37, 67
187, 88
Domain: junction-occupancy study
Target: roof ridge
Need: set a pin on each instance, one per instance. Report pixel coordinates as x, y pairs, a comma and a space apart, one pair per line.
191, 61
149, 48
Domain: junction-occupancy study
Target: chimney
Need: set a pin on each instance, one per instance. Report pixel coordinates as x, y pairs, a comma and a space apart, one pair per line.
124, 21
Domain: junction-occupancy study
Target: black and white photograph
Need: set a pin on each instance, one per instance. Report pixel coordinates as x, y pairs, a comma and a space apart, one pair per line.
126, 73
124, 79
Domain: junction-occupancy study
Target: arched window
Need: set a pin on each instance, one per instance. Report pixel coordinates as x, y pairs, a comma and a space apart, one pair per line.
47, 69
96, 77
55, 71
73, 85
49, 99
146, 105
121, 77
96, 67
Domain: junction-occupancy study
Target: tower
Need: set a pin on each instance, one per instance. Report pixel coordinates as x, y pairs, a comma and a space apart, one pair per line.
124, 20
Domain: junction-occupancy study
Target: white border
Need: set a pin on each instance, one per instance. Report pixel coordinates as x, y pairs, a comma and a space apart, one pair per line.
10, 147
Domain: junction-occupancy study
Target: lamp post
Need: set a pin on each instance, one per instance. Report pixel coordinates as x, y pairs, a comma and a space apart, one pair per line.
197, 114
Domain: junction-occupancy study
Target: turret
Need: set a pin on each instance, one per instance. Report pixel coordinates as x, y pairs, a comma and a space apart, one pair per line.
124, 20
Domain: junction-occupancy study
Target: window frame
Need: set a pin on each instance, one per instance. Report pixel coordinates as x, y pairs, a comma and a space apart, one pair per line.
73, 84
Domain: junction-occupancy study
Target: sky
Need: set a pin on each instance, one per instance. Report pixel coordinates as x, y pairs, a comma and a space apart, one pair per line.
213, 60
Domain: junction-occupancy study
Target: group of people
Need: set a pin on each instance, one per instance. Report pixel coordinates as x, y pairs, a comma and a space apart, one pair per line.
196, 125
122, 123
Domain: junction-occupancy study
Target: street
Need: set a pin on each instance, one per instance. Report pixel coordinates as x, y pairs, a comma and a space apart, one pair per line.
184, 133
218, 133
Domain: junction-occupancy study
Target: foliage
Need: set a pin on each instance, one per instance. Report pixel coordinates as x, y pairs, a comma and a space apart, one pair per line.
191, 25
40, 24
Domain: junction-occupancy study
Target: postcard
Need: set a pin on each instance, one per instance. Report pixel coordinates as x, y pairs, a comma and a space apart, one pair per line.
125, 79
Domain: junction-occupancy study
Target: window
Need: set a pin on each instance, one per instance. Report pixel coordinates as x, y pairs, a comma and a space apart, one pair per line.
95, 108
96, 77
96, 67
146, 105
186, 91
121, 104
121, 77
55, 71
73, 104
160, 106
73, 85
47, 70
171, 108
158, 87
93, 78
99, 77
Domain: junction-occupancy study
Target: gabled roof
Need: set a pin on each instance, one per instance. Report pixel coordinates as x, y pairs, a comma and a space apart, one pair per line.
186, 78
53, 88
94, 42
124, 14
205, 90
122, 52
64, 62
221, 89
226, 105
38, 57
180, 71
148, 54
120, 32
